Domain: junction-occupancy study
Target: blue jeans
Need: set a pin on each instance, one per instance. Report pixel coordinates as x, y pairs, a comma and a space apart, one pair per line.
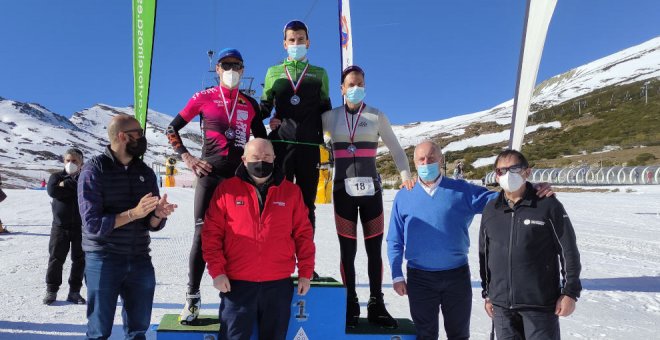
108, 276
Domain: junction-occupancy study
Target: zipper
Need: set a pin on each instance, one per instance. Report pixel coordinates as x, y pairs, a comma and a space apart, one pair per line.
513, 215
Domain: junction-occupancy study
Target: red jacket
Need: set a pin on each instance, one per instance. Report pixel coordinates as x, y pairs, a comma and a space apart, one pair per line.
245, 245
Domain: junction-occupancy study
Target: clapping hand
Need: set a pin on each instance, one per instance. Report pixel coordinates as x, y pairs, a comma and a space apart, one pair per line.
164, 208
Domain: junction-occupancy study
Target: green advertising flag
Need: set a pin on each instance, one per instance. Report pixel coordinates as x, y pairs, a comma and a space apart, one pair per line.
144, 19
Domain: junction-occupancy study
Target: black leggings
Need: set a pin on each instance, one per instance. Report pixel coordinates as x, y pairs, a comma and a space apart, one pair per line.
196, 264
370, 210
299, 163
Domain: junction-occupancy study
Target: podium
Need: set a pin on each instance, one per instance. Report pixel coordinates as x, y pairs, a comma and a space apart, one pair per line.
320, 314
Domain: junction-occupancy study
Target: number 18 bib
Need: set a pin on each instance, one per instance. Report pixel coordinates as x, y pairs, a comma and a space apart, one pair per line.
359, 186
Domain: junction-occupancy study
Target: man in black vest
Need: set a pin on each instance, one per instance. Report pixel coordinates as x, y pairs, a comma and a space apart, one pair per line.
119, 205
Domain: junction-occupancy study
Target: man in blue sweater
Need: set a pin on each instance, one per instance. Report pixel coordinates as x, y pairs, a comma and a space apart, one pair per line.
429, 226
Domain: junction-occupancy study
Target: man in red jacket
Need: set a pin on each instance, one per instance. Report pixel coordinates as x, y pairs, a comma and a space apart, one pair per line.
256, 228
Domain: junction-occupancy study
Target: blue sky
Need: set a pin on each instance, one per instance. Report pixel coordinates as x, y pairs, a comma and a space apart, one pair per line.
424, 60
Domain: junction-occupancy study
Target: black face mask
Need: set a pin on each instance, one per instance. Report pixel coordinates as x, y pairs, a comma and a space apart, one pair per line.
260, 169
137, 147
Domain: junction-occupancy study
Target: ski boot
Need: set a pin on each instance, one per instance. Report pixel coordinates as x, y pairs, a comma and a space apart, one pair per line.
3, 230
352, 312
378, 315
190, 311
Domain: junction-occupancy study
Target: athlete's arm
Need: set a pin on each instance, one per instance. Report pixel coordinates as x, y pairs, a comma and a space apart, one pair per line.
392, 143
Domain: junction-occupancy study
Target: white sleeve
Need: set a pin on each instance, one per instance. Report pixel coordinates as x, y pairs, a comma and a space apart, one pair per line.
392, 143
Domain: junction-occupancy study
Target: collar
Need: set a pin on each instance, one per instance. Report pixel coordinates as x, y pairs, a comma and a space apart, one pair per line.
296, 63
528, 199
228, 92
430, 189
352, 112
108, 152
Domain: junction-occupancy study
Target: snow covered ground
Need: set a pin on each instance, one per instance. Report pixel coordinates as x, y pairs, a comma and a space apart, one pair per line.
618, 236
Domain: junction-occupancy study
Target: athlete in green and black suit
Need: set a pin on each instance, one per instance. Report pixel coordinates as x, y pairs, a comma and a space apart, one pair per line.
299, 93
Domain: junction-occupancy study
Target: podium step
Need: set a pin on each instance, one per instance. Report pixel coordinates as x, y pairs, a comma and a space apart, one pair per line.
318, 315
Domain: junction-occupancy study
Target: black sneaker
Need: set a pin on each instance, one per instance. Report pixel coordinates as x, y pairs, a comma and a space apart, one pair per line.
378, 315
315, 276
76, 298
352, 312
49, 298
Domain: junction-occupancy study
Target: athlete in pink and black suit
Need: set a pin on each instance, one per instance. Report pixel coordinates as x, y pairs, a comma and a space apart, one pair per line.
226, 116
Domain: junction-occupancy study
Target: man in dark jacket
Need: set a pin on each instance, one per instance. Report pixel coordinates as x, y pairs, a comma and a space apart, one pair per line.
120, 205
525, 241
65, 232
256, 232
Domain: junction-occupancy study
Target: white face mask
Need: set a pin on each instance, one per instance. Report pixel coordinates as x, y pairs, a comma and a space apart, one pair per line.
511, 182
231, 78
70, 168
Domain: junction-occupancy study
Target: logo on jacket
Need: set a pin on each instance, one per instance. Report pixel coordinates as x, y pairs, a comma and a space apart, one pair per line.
363, 124
278, 203
241, 115
141, 179
239, 202
528, 222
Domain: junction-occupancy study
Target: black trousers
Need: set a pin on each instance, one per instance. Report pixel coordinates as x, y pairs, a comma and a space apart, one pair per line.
196, 264
449, 290
268, 304
527, 324
300, 163
61, 240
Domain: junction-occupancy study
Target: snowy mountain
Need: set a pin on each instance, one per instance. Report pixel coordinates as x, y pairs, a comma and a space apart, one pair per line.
34, 138
633, 64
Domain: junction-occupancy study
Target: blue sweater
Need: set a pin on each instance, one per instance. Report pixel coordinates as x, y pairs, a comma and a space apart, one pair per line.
432, 231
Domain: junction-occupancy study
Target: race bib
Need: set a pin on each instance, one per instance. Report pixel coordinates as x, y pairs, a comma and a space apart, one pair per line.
359, 186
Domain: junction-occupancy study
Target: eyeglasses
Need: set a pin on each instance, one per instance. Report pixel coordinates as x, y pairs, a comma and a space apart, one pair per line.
514, 168
140, 131
231, 66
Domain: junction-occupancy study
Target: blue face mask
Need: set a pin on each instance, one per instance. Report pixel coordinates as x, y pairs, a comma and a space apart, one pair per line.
428, 172
297, 52
355, 94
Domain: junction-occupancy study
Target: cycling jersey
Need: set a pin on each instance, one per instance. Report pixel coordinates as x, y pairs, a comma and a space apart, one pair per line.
367, 127
300, 122
224, 134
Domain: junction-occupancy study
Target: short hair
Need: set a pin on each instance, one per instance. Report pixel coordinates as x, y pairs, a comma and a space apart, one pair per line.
348, 70
434, 147
118, 124
74, 152
510, 152
295, 25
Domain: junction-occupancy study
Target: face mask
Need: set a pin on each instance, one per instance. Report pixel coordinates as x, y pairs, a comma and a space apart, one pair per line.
511, 182
231, 78
355, 94
297, 52
260, 169
428, 172
137, 147
70, 168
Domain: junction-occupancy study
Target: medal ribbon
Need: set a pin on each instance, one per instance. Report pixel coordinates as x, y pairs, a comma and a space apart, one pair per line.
296, 85
351, 131
230, 115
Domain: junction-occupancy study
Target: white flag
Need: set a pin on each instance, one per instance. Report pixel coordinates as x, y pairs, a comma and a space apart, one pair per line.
345, 34
537, 20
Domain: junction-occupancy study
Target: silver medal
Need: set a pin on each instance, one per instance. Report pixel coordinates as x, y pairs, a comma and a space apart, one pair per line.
351, 148
295, 99
230, 134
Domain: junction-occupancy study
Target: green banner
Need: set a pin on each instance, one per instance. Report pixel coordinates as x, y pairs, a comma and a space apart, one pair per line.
144, 19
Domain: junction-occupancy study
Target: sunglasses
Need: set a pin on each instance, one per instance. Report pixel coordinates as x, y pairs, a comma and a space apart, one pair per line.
231, 66
514, 168
138, 130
